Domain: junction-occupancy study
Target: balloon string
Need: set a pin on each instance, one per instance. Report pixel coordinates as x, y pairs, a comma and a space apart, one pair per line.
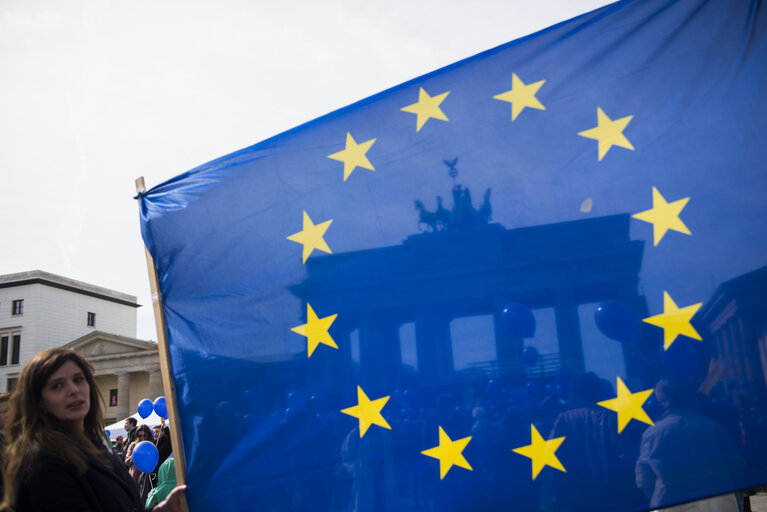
149, 477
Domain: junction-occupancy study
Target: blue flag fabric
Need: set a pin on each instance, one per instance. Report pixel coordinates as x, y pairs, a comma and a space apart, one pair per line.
533, 279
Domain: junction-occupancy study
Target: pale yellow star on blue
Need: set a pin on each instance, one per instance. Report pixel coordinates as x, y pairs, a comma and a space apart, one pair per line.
608, 132
449, 453
675, 321
354, 155
664, 216
427, 107
311, 237
367, 411
542, 453
628, 405
316, 330
521, 96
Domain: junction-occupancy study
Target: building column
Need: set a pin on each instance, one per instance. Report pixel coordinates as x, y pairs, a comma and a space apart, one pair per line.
335, 367
569, 333
123, 395
637, 351
508, 348
155, 382
380, 353
434, 347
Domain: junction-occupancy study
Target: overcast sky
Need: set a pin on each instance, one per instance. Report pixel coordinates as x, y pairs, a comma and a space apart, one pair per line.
95, 94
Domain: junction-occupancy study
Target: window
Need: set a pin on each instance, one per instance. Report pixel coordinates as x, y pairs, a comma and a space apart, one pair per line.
16, 349
91, 319
10, 348
17, 307
10, 384
112, 398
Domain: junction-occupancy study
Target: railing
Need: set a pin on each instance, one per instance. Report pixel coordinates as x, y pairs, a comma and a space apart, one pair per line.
546, 366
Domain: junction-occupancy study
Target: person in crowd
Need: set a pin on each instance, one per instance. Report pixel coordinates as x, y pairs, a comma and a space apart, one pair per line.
599, 457
143, 433
58, 458
131, 426
685, 452
147, 482
166, 482
120, 448
164, 448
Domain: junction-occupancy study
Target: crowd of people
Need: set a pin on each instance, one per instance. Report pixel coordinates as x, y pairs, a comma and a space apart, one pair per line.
56, 455
159, 435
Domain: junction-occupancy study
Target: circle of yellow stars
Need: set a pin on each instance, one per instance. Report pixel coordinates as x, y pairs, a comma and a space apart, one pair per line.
664, 216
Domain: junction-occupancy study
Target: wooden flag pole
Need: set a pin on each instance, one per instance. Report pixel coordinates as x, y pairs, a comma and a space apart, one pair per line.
168, 384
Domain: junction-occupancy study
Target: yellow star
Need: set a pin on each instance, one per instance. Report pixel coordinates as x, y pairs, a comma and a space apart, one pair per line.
316, 330
353, 155
368, 411
663, 216
675, 321
426, 107
521, 96
449, 453
311, 237
628, 405
609, 133
541, 452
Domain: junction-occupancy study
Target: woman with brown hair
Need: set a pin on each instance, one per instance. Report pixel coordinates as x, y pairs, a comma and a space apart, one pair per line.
143, 433
58, 457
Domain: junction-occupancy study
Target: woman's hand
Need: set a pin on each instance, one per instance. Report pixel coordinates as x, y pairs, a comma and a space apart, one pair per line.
173, 502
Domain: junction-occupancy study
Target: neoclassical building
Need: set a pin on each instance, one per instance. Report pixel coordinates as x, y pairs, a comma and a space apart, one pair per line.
127, 370
40, 310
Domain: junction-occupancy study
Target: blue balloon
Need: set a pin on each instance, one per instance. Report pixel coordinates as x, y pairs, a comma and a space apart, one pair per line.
518, 320
145, 408
160, 407
145, 456
530, 356
109, 434
614, 320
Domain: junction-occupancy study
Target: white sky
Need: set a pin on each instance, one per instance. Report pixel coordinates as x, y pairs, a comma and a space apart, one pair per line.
94, 94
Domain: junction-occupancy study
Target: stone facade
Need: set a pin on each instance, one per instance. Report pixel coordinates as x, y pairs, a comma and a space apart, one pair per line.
127, 370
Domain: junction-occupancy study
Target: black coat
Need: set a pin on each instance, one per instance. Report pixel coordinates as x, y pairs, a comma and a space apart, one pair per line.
130, 436
50, 483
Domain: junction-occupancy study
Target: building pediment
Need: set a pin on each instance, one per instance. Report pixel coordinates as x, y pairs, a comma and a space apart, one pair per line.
97, 344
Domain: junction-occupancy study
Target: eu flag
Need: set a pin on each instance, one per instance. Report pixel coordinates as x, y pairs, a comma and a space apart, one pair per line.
534, 279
